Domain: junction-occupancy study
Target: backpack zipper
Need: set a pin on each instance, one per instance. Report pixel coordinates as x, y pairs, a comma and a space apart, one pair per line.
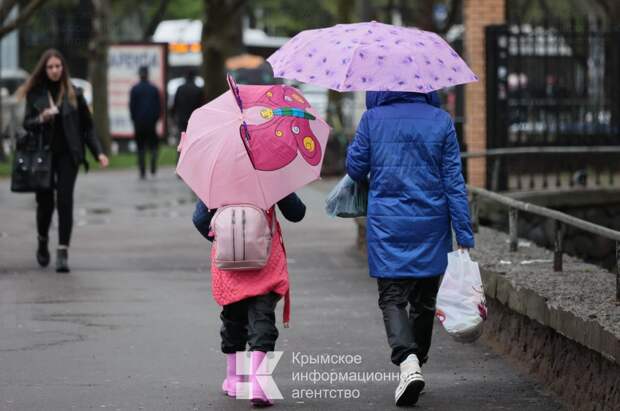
233, 235
243, 226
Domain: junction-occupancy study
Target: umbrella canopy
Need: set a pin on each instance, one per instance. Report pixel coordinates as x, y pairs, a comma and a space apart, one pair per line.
252, 145
371, 56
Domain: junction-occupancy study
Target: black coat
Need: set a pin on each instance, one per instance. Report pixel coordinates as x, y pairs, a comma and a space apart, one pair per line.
187, 99
77, 122
144, 105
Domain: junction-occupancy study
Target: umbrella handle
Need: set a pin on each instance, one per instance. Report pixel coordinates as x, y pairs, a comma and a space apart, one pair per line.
235, 90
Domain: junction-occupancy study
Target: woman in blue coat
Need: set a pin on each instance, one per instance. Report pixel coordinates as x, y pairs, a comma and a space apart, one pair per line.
406, 145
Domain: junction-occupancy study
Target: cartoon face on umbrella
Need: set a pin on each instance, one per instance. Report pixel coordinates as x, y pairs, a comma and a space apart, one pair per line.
286, 130
254, 144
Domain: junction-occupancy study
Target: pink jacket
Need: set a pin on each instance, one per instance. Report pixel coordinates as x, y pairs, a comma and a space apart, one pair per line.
231, 286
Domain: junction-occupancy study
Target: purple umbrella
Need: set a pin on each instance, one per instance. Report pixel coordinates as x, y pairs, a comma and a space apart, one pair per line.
371, 56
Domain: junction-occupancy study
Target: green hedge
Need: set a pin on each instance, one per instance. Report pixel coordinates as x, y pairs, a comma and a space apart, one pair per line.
167, 157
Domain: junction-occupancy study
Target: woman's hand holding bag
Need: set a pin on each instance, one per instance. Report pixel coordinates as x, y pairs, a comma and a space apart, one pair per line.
461, 305
347, 199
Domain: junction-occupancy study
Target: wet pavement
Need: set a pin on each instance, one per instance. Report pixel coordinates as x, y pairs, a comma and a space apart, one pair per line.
134, 327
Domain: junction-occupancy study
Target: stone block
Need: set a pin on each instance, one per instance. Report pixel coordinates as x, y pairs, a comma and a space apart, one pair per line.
516, 301
489, 280
610, 346
503, 289
536, 307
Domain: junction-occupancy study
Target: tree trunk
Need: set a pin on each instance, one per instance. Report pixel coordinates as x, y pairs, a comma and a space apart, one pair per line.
333, 163
25, 13
222, 37
424, 15
98, 70
155, 20
345, 11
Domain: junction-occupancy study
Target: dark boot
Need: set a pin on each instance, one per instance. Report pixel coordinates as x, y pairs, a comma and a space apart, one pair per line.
62, 261
43, 253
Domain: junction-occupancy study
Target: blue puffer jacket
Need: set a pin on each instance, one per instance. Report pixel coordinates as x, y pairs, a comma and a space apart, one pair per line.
409, 147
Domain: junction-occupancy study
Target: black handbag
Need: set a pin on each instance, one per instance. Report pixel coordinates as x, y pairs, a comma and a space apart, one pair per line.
32, 162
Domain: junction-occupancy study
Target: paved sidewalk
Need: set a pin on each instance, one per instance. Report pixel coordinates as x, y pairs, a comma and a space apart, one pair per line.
134, 327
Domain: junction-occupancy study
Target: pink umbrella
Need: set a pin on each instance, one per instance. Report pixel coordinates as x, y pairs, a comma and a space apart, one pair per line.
252, 145
371, 56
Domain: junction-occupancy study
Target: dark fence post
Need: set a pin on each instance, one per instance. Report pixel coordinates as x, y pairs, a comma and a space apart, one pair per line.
475, 214
538, 95
497, 39
559, 246
618, 272
513, 221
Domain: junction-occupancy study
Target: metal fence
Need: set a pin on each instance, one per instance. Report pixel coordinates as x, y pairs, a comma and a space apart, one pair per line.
561, 220
552, 85
555, 167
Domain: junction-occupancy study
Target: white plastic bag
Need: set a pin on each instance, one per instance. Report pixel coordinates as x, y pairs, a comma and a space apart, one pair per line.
461, 306
347, 199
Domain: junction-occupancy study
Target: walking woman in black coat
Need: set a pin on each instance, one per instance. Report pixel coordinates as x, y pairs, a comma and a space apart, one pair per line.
54, 104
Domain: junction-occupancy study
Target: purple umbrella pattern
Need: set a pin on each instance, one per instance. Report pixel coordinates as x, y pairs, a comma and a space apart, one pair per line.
371, 56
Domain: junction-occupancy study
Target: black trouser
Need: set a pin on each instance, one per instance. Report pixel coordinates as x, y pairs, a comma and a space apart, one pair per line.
408, 333
146, 138
251, 321
65, 172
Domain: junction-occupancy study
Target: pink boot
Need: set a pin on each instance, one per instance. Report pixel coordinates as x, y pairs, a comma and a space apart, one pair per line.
229, 386
258, 398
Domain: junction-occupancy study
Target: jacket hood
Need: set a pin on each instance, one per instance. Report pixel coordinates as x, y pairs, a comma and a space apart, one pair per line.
383, 98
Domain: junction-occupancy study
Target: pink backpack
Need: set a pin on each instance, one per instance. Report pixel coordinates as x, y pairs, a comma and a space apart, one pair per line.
243, 237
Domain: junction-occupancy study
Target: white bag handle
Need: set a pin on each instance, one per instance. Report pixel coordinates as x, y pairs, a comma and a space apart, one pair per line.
464, 254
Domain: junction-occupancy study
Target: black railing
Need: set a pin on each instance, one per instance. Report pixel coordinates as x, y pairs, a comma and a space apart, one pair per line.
558, 167
561, 221
551, 85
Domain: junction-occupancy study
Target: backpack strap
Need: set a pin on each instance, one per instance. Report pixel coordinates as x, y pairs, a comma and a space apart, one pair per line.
286, 316
271, 213
275, 225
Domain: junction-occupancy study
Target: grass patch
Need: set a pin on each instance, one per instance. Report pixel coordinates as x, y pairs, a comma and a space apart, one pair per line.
167, 157
5, 167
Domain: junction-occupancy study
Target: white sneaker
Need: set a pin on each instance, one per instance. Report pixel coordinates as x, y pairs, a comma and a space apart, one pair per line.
411, 382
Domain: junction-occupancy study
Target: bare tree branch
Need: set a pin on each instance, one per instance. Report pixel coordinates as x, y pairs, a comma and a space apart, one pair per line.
604, 6
545, 8
5, 8
524, 9
24, 16
156, 19
238, 4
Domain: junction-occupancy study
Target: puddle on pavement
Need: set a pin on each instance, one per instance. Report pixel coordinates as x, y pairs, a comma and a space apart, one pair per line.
39, 341
93, 221
165, 204
98, 211
171, 214
167, 209
144, 207
83, 319
93, 216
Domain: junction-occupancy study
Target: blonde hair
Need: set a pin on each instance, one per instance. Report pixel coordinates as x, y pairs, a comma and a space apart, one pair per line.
39, 77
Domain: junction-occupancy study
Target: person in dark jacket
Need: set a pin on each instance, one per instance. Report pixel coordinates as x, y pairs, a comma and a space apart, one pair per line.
187, 99
58, 109
407, 146
145, 110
